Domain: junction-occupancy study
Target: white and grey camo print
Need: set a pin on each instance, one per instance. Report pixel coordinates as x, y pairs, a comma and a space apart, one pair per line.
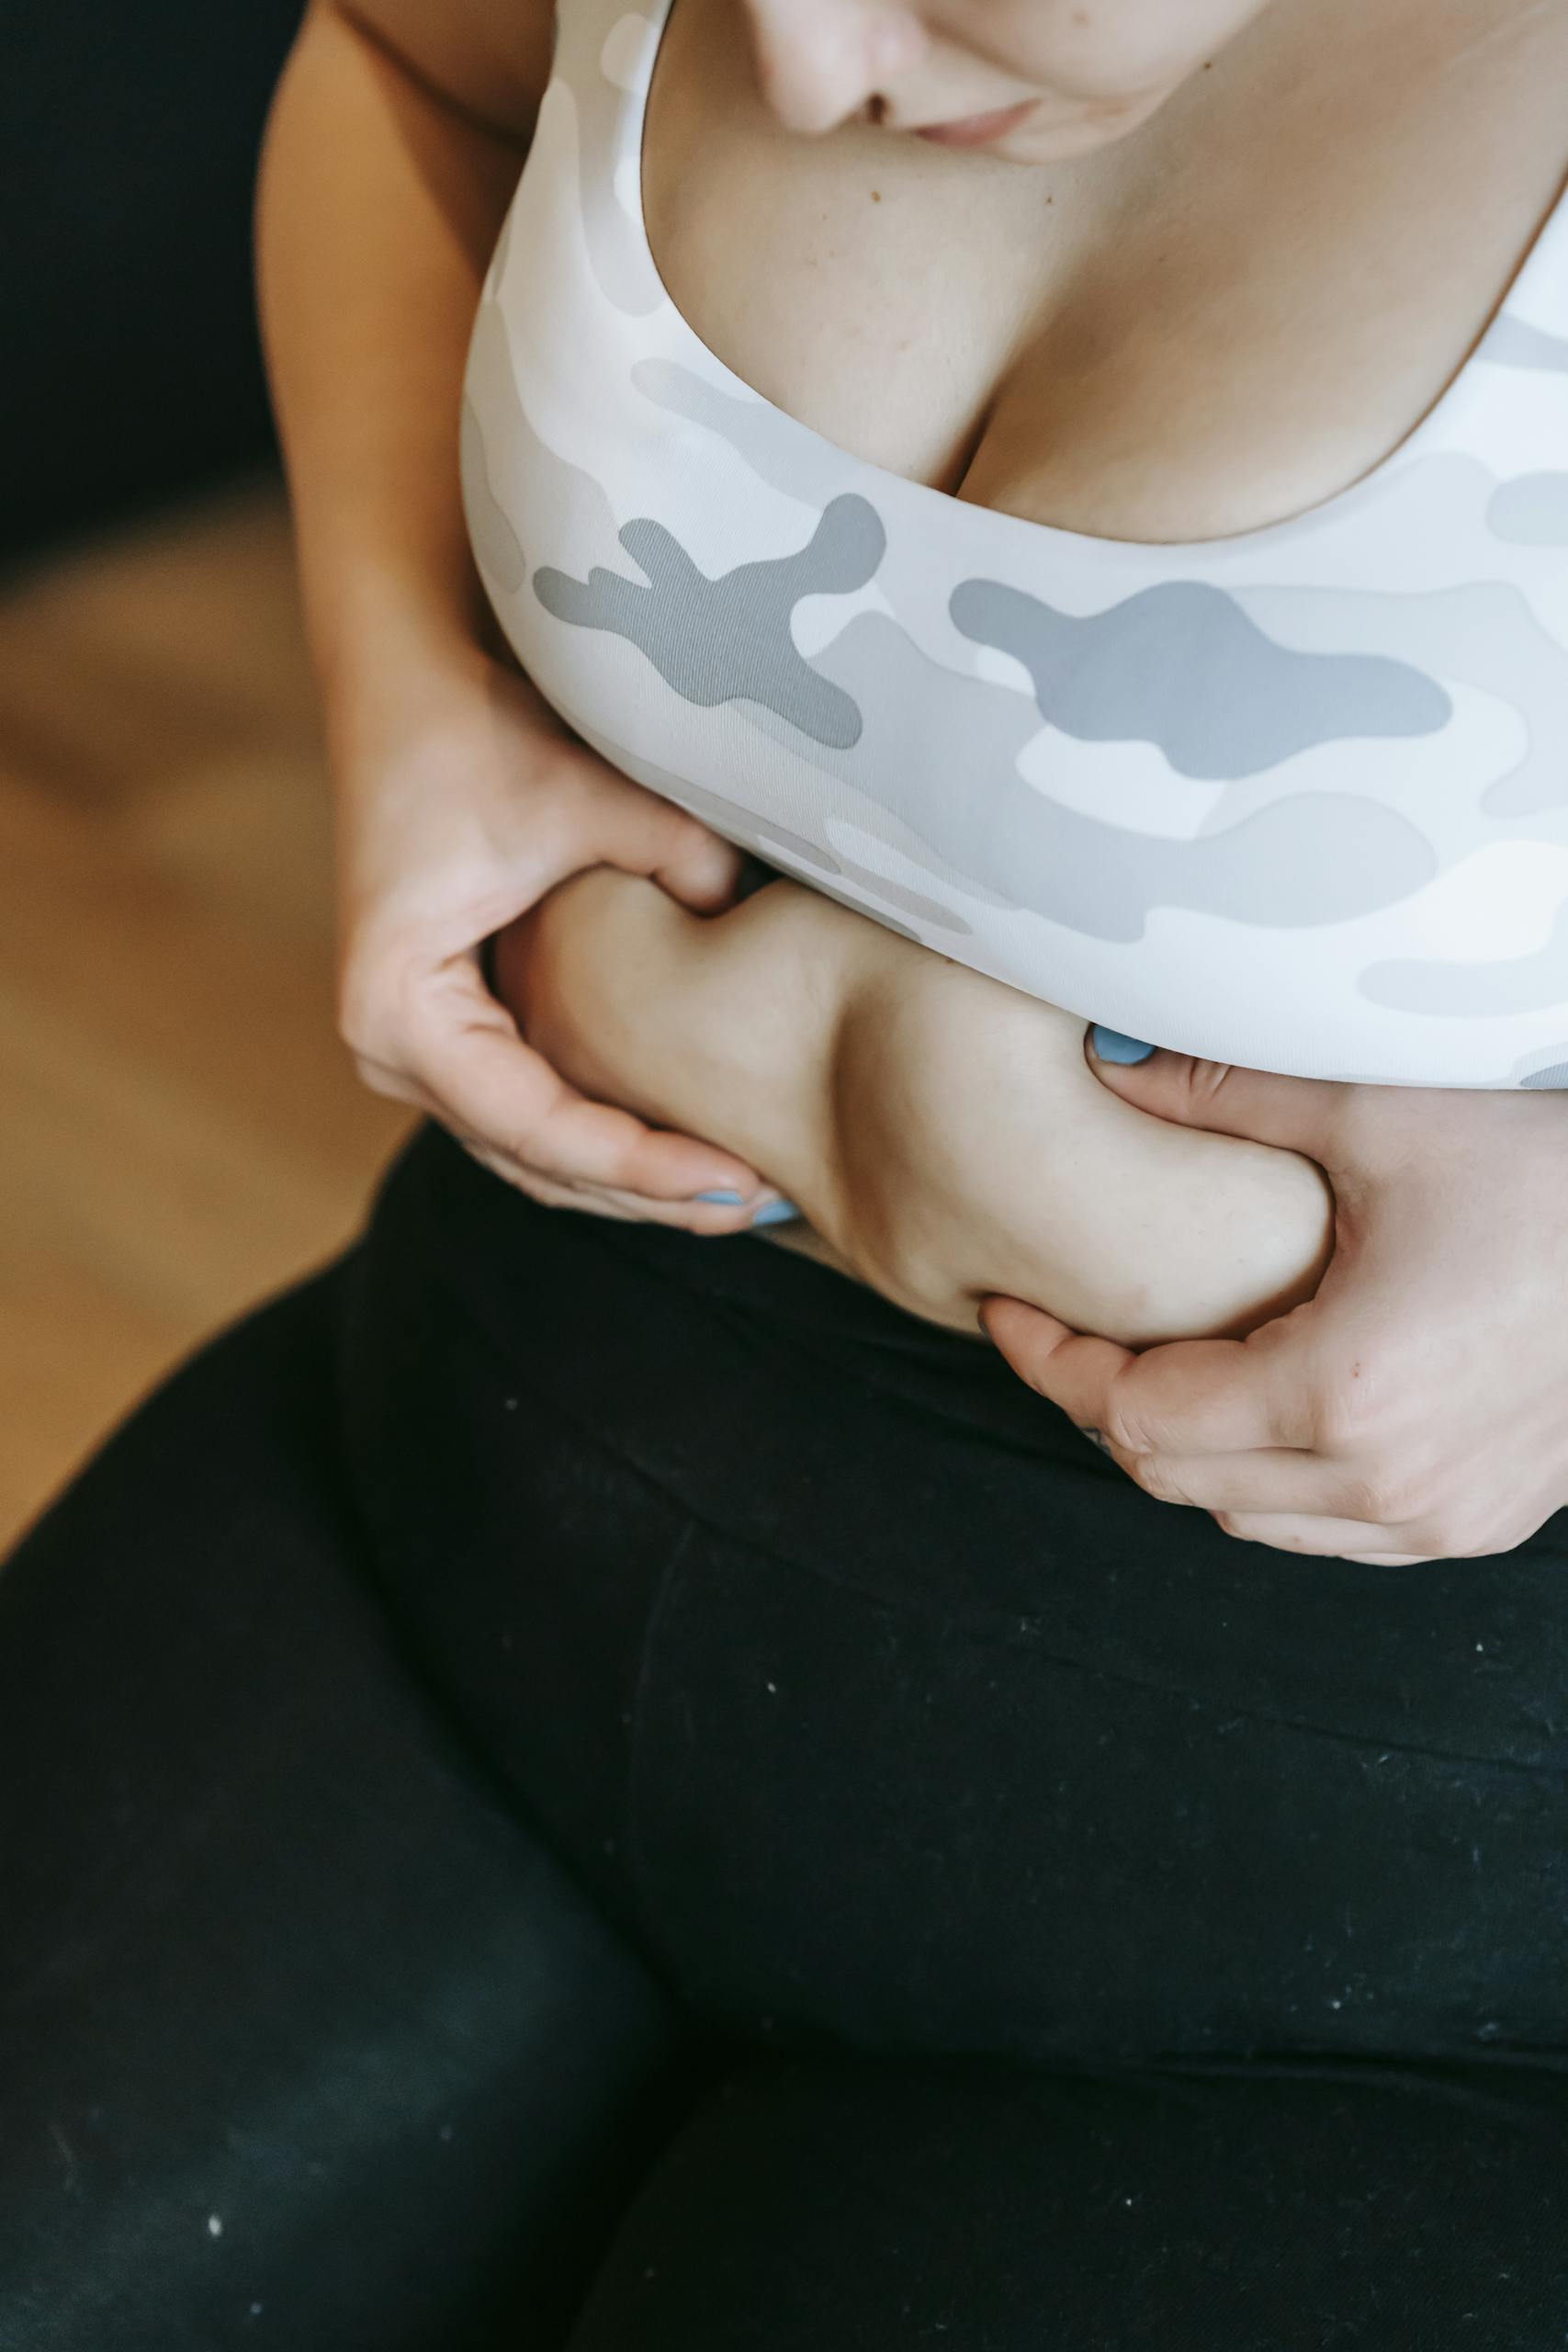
1297, 799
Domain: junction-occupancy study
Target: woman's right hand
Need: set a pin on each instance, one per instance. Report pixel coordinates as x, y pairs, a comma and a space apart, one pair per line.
462, 802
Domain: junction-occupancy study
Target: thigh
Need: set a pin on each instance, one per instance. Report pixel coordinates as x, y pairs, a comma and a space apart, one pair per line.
828, 2207
879, 1713
304, 2037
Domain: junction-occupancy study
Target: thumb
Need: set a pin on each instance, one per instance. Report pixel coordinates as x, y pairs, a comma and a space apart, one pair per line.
698, 867
643, 834
1295, 1113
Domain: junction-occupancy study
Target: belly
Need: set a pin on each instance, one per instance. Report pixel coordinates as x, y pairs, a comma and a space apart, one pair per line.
943, 1136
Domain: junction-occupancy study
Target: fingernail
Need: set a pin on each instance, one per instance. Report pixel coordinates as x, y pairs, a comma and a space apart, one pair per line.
723, 1200
1110, 1045
776, 1213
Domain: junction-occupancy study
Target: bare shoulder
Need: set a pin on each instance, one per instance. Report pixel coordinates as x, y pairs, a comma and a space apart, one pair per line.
491, 58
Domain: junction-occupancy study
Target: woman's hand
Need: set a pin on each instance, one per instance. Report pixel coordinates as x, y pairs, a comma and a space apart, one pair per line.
1416, 1407
462, 806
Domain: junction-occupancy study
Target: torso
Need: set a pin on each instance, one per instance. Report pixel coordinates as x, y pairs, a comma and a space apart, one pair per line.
1218, 324
1129, 579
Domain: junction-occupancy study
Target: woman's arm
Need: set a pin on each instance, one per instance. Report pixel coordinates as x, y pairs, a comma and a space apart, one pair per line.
396, 141
943, 1134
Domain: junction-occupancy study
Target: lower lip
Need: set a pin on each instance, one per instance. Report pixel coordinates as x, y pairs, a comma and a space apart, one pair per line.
976, 129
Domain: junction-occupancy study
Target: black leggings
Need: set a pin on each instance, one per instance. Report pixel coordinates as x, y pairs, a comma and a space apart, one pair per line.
564, 1786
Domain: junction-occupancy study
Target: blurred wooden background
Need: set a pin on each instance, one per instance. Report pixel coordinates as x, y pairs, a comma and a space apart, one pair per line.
180, 1131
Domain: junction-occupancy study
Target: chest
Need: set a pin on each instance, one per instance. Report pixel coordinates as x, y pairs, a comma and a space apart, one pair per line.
1222, 323
1293, 799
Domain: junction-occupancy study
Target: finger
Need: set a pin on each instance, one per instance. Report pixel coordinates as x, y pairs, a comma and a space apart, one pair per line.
1295, 1113
597, 1148
395, 1085
1333, 1539
642, 835
537, 1187
737, 1200
1073, 1372
484, 1081
1191, 1396
706, 1219
702, 870
703, 1217
1278, 1481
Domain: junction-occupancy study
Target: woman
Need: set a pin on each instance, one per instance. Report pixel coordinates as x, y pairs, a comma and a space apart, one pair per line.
587, 1784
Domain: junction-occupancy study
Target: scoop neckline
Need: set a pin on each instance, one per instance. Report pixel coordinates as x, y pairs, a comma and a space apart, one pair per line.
1087, 543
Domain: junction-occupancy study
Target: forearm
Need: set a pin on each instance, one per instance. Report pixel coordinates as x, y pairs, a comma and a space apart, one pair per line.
379, 201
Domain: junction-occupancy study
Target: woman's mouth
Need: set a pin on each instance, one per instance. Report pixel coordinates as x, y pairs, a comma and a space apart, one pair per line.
976, 129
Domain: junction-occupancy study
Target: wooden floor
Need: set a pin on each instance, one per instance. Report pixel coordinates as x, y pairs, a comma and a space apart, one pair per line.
179, 1128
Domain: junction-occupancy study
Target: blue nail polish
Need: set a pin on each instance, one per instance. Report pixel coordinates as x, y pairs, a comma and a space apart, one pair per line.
776, 1213
723, 1200
1110, 1045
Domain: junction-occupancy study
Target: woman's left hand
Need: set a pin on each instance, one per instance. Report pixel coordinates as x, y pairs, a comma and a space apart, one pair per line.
1416, 1407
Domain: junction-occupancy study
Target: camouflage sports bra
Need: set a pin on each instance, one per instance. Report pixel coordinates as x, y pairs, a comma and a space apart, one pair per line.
1296, 798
